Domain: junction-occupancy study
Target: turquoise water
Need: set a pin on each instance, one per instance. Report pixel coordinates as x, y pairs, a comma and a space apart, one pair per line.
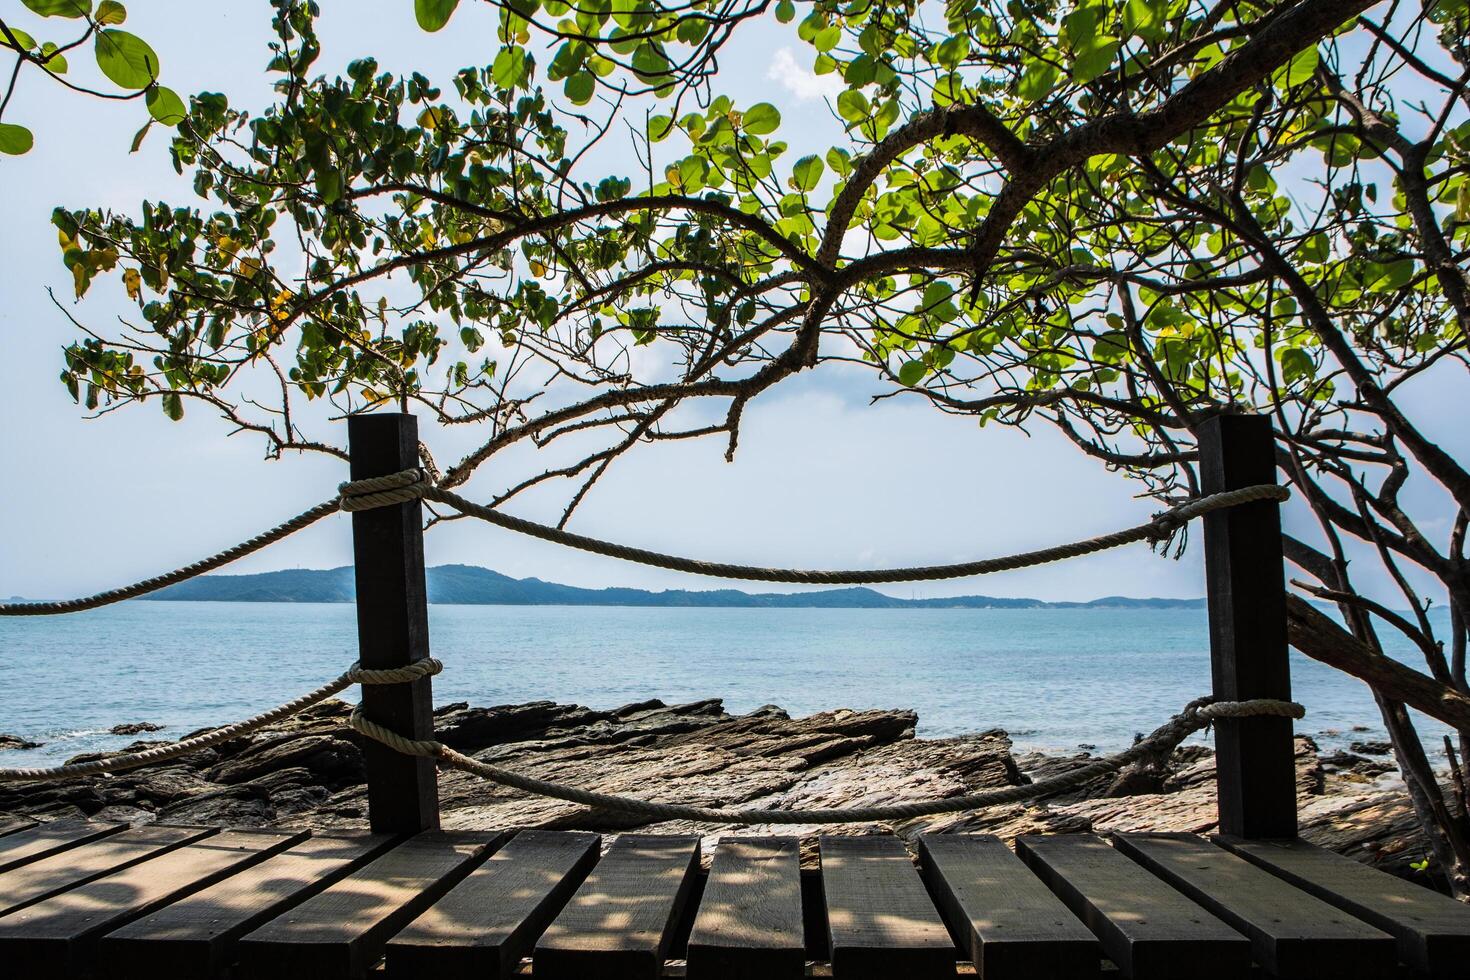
1053, 678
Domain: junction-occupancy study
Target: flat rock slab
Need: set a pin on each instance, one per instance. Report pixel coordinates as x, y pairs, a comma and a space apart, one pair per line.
1012, 924
484, 925
1292, 934
620, 923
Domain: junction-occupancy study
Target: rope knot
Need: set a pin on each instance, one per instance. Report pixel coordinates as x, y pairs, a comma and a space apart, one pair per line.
427, 667
383, 491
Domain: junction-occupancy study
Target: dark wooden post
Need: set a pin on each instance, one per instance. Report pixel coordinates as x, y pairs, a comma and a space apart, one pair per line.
1245, 580
393, 625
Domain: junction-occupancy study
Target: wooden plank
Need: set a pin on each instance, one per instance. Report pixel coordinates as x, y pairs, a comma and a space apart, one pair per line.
9, 824
57, 937
40, 879
1246, 587
1292, 934
195, 937
1433, 931
1149, 930
619, 923
1011, 924
486, 923
48, 838
881, 920
341, 931
393, 626
749, 925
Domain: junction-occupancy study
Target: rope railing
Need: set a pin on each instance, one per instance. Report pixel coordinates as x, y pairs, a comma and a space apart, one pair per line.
410, 485
1196, 716
356, 674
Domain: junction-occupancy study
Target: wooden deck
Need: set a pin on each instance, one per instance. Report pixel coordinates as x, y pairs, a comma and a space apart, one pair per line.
91, 900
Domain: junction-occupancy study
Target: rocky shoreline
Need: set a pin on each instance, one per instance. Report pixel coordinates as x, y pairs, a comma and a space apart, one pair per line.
309, 772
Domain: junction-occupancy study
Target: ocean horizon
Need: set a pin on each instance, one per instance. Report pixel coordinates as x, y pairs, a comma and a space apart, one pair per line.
1056, 680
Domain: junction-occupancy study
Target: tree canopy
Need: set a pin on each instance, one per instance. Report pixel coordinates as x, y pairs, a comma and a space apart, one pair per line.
1114, 216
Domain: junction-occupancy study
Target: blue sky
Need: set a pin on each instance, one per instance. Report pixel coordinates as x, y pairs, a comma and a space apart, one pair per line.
822, 478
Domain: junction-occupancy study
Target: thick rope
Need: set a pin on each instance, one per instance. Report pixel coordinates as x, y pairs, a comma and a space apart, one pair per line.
1158, 529
162, 753
1198, 715
408, 485
380, 491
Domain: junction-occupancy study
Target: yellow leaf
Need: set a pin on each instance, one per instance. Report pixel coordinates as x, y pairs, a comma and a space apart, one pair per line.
79, 279
278, 305
249, 267
134, 284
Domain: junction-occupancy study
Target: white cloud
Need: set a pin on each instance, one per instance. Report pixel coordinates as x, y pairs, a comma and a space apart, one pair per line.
801, 82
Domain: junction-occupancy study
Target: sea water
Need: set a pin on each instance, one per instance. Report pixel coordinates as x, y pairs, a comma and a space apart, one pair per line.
1055, 679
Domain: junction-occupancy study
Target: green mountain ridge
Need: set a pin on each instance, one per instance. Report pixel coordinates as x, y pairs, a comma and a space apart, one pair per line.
473, 585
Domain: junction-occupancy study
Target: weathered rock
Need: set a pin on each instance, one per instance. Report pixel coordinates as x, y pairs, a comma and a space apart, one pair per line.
308, 772
1372, 748
16, 742
135, 728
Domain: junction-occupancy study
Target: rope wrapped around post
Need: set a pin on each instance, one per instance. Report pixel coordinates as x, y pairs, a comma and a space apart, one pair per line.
1197, 715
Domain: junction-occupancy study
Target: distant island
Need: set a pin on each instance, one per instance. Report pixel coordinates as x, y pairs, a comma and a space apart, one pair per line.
470, 585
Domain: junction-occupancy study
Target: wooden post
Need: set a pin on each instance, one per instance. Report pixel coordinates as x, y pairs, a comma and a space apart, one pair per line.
393, 626
1245, 580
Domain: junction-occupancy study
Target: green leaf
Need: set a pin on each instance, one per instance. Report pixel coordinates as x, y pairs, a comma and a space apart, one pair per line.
785, 11
1094, 57
1038, 81
433, 14
60, 8
580, 87
138, 136
1296, 364
1145, 19
15, 140
110, 12
761, 118
126, 59
165, 105
1298, 70
173, 406
52, 60
509, 69
27, 42
852, 106
911, 373
651, 65
807, 173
